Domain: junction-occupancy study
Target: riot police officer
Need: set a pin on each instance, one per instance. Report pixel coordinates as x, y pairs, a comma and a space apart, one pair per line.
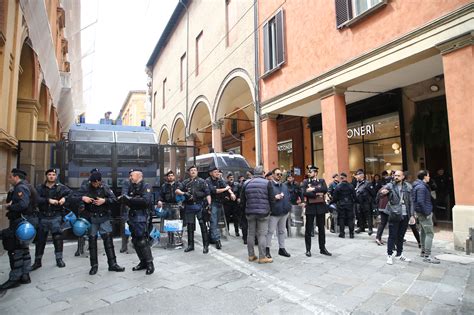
19, 204
96, 199
344, 197
196, 192
51, 199
218, 188
124, 213
232, 207
139, 199
331, 188
167, 201
314, 190
365, 195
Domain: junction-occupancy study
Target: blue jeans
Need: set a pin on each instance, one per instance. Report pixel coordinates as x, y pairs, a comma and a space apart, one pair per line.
216, 212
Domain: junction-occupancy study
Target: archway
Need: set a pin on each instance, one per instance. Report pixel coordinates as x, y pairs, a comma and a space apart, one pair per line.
178, 131
200, 127
164, 136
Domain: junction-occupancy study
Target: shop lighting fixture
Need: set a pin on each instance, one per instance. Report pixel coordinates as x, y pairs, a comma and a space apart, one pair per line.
434, 88
395, 146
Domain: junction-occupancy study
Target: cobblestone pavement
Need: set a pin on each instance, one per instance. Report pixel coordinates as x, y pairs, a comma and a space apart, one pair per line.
356, 279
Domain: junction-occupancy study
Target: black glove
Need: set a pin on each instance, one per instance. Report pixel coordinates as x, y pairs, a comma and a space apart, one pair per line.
12, 215
124, 199
188, 196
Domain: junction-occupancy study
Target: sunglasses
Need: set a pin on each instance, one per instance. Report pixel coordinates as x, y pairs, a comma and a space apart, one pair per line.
278, 174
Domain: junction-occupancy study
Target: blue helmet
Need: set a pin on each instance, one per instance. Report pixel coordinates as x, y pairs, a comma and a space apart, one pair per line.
332, 207
127, 230
25, 231
81, 227
179, 198
70, 217
155, 234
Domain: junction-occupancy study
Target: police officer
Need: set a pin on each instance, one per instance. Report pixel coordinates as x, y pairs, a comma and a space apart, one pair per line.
96, 200
19, 203
314, 190
232, 207
167, 201
219, 189
294, 190
331, 188
124, 212
365, 195
344, 197
139, 199
196, 192
51, 199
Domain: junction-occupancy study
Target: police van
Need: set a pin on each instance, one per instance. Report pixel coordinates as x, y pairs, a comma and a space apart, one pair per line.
226, 162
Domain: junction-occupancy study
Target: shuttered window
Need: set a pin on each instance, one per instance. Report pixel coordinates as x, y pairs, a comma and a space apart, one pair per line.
274, 43
350, 11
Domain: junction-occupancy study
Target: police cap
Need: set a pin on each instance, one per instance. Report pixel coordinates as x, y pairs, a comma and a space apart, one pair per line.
343, 175
95, 177
169, 172
51, 170
313, 168
213, 168
192, 166
94, 170
17, 172
360, 172
135, 170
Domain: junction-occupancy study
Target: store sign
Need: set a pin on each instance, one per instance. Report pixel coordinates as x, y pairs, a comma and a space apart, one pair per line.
361, 131
285, 146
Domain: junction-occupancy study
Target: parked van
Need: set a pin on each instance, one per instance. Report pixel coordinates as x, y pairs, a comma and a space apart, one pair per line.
226, 162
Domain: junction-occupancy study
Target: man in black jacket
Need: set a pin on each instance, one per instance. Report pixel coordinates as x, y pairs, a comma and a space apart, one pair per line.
344, 197
365, 195
167, 201
314, 190
51, 199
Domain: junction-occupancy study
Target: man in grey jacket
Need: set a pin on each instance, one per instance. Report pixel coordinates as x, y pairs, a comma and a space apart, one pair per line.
400, 209
258, 198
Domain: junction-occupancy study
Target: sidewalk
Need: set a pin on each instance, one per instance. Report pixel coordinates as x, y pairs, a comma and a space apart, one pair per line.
356, 279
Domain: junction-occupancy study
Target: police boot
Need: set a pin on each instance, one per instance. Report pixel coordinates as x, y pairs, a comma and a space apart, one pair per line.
332, 229
267, 252
93, 255
190, 238
80, 246
25, 278
37, 264
109, 251
307, 240
147, 256
205, 239
342, 233
124, 244
58, 250
138, 248
10, 284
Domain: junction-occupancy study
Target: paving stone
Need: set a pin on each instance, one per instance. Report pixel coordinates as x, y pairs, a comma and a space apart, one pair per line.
51, 308
412, 302
123, 295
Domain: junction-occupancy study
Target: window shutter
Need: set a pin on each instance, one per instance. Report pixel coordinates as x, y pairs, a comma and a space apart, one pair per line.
266, 48
280, 38
343, 12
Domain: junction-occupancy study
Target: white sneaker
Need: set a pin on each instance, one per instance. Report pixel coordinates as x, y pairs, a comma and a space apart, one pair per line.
390, 259
403, 258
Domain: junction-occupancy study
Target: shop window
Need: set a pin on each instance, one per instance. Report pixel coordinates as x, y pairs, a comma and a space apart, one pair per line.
350, 11
285, 155
273, 43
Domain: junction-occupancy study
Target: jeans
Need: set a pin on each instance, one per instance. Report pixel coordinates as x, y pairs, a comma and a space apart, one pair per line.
382, 224
427, 233
257, 224
396, 233
277, 223
216, 212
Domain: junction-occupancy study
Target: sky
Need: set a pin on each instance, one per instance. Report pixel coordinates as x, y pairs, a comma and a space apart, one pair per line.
118, 37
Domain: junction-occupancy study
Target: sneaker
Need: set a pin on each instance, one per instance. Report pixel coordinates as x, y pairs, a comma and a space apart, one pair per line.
252, 258
390, 260
431, 260
403, 258
265, 260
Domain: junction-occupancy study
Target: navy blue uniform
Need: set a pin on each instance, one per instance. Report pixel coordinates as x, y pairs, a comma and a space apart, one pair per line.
232, 207
344, 197
315, 210
365, 195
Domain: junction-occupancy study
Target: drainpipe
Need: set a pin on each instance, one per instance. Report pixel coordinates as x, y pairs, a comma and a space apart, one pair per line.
258, 131
187, 70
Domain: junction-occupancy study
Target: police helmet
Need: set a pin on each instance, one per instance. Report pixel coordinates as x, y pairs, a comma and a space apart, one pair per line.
155, 234
70, 217
179, 198
25, 231
127, 230
81, 227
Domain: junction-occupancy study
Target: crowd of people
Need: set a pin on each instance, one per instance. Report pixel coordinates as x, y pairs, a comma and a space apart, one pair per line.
258, 205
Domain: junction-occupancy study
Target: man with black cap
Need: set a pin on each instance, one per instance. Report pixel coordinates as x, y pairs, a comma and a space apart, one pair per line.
232, 207
219, 189
314, 190
365, 196
167, 201
96, 201
19, 203
196, 192
51, 199
139, 201
331, 188
344, 197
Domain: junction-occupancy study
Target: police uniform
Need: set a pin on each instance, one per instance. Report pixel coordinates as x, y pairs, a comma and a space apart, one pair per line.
22, 205
364, 193
50, 219
195, 192
172, 208
344, 197
139, 199
315, 208
124, 216
217, 207
333, 216
99, 217
294, 190
232, 207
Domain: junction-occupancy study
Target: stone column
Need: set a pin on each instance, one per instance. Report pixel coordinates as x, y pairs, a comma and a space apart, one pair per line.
458, 65
26, 129
269, 141
217, 135
335, 143
190, 141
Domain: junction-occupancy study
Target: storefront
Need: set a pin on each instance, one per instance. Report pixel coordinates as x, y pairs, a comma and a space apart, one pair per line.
374, 129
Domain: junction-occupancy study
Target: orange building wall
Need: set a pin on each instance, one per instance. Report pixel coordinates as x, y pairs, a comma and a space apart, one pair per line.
314, 45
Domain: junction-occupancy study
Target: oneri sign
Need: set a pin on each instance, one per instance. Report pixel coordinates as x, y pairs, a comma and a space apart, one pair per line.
361, 131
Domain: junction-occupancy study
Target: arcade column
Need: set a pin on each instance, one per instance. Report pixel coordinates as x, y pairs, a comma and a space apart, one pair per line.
217, 135
269, 141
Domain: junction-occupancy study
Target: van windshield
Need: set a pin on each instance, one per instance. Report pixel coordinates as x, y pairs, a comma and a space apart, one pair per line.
234, 162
